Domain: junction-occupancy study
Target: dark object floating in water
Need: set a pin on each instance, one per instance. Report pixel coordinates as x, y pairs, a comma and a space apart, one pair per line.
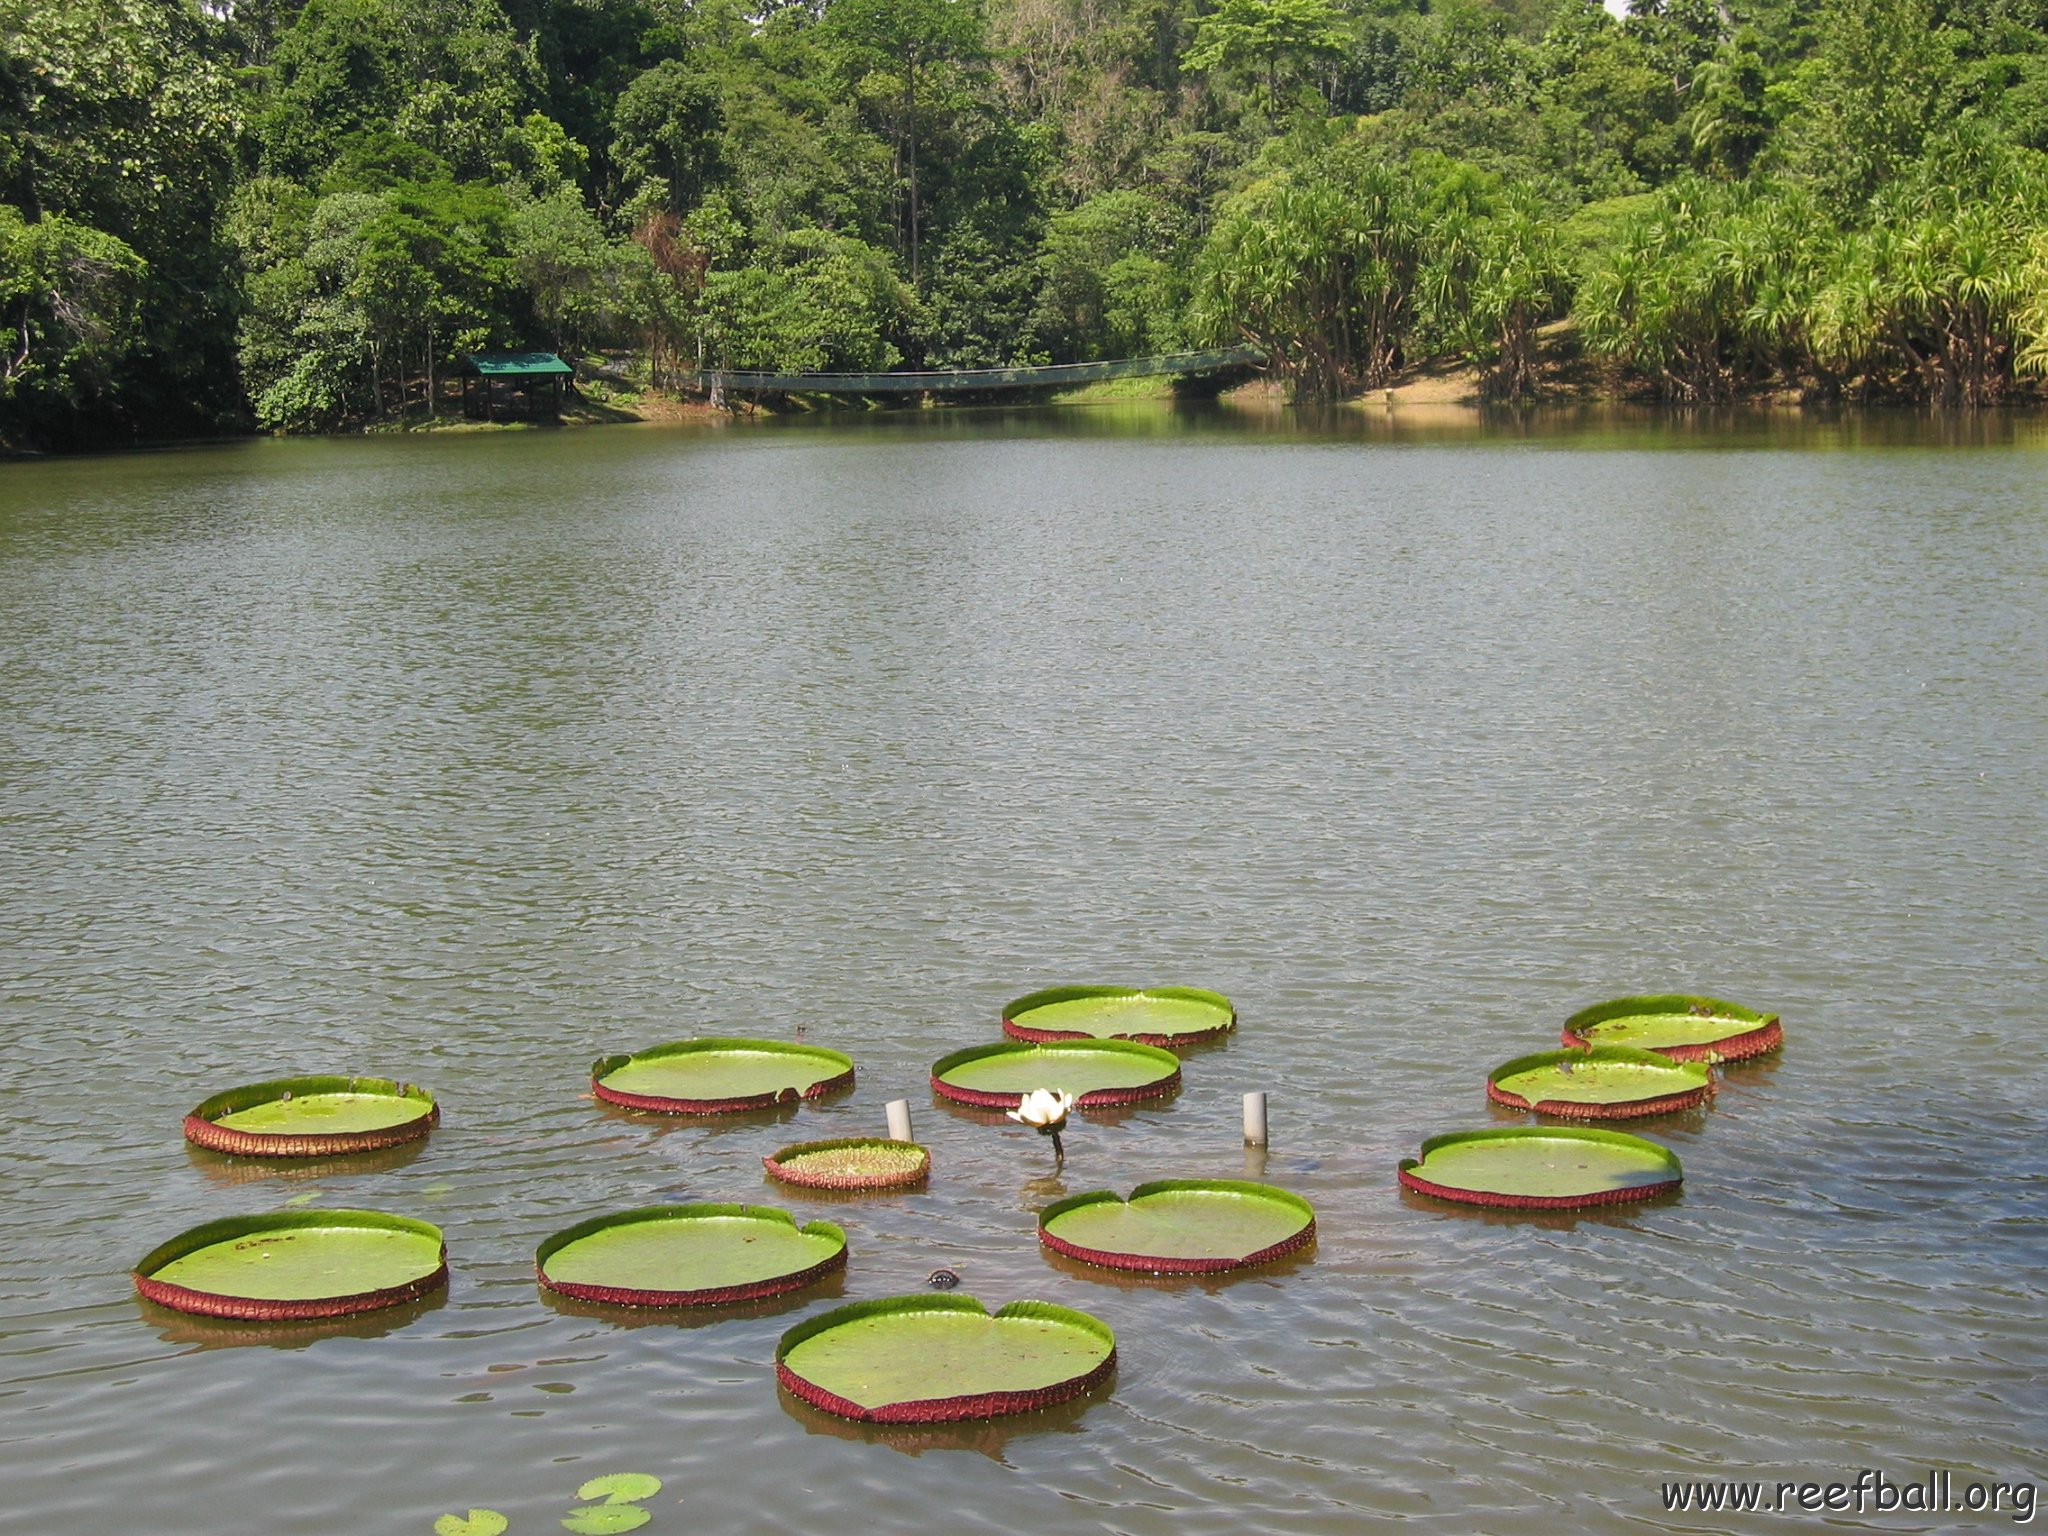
718, 1076
312, 1117
851, 1162
1678, 1025
1180, 1226
942, 1279
1541, 1168
1606, 1082
1096, 1072
931, 1359
1162, 1016
296, 1264
688, 1255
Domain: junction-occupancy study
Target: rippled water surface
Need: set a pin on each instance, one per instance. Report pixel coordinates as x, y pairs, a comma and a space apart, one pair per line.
468, 760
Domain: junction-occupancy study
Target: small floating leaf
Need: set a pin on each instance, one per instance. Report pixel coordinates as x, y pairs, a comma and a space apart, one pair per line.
605, 1519
479, 1522
620, 1487
305, 1199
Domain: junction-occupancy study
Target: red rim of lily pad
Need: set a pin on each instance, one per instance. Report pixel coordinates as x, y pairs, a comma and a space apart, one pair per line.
1056, 1055
1749, 1034
1167, 1264
840, 1075
241, 1233
202, 1127
913, 1164
702, 1296
1644, 1153
944, 1408
1016, 1028
1680, 1084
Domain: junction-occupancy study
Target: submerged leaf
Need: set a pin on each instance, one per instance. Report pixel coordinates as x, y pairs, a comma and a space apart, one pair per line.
605, 1519
479, 1522
620, 1487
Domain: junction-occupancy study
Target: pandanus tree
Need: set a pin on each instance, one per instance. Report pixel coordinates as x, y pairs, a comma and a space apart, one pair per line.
1490, 281
1943, 294
1318, 266
1932, 307
1660, 303
2030, 321
1708, 290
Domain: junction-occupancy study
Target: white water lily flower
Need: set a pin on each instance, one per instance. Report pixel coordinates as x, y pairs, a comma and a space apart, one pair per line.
1043, 1109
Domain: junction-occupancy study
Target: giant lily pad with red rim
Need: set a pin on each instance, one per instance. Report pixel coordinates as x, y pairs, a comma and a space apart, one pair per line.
688, 1255
1678, 1025
1179, 1226
1096, 1072
312, 1117
295, 1264
851, 1162
720, 1076
932, 1359
1162, 1016
1541, 1168
1607, 1082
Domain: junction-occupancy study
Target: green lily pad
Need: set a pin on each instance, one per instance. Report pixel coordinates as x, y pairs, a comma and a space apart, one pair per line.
1540, 1167
1678, 1025
1607, 1082
1096, 1072
689, 1255
620, 1487
605, 1519
312, 1117
1161, 1016
295, 1264
851, 1162
478, 1522
926, 1359
708, 1077
1179, 1226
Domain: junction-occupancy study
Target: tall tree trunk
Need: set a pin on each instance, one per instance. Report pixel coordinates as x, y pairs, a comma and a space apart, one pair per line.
910, 128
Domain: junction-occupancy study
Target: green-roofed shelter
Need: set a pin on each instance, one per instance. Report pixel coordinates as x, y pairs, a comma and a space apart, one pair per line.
531, 385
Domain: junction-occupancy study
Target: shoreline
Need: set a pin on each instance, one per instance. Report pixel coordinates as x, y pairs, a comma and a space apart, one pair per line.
1440, 393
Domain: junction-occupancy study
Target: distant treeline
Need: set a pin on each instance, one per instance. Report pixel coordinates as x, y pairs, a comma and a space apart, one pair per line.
297, 216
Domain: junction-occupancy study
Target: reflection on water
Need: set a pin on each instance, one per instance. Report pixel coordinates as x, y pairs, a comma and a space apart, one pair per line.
228, 1171
1409, 731
1366, 422
1656, 1127
1628, 1215
1130, 1280
740, 1122
990, 1437
195, 1332
831, 1287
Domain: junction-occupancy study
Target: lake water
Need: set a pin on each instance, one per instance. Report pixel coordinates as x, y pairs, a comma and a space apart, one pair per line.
469, 759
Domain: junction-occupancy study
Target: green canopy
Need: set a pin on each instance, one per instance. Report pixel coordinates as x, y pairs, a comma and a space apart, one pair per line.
516, 365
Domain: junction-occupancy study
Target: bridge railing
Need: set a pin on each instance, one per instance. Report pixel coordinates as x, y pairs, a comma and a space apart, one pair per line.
970, 380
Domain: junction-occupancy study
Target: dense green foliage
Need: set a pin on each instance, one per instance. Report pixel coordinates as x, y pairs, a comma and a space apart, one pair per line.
299, 213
